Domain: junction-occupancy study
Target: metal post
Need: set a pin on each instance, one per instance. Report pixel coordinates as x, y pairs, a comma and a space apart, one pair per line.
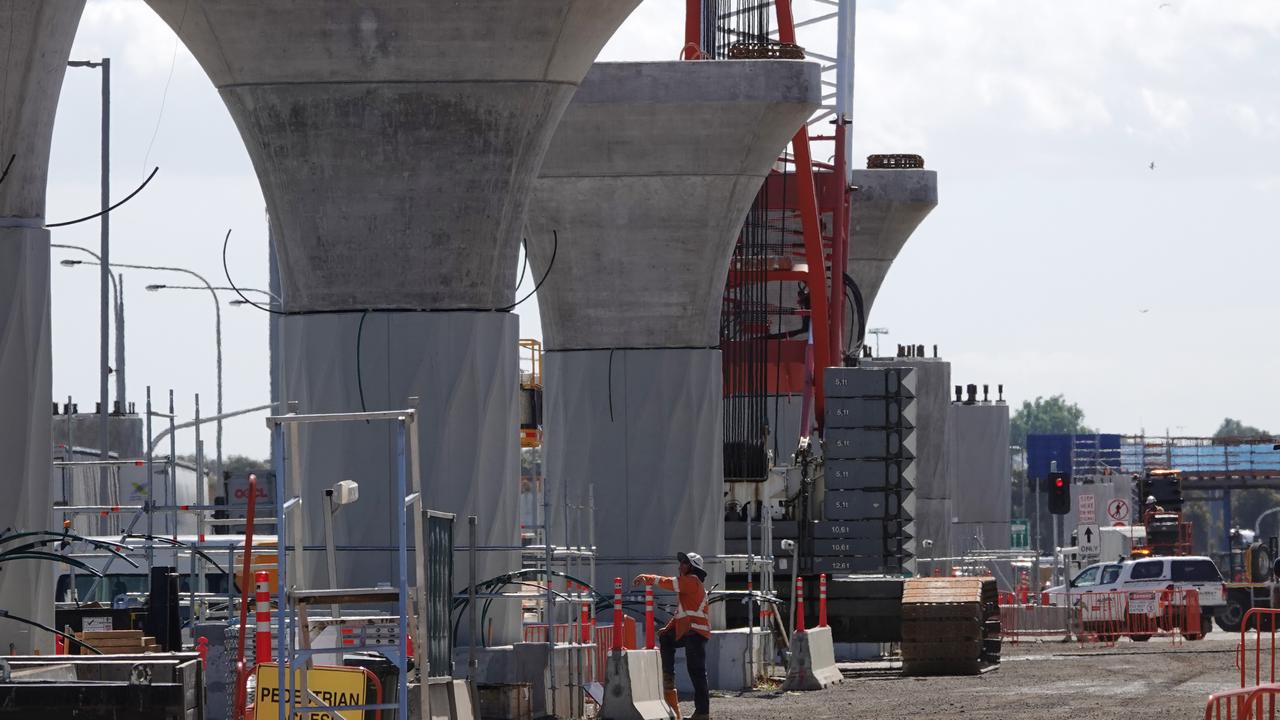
472, 664
751, 605
121, 401
330, 554
104, 221
197, 564
402, 552
172, 489
151, 495
550, 602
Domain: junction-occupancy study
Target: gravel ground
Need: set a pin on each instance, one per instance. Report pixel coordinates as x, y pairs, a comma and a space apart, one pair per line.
1036, 680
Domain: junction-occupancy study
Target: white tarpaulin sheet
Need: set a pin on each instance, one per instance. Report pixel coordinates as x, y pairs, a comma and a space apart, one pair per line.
463, 368
643, 426
26, 586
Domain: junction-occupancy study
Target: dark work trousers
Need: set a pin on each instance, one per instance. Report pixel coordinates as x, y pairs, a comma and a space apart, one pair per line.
695, 657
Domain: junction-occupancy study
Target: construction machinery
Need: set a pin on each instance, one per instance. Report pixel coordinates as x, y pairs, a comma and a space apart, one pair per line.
1252, 584
1168, 533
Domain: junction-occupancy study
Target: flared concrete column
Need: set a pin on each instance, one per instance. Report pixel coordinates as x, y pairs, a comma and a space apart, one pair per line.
396, 143
646, 185
887, 208
35, 40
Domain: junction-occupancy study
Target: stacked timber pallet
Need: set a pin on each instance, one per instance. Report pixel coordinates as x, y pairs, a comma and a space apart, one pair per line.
118, 642
950, 626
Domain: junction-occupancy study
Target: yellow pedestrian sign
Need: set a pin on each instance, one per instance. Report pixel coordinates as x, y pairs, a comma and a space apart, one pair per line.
334, 686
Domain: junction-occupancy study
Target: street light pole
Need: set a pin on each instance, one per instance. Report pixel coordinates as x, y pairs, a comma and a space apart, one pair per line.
117, 286
104, 221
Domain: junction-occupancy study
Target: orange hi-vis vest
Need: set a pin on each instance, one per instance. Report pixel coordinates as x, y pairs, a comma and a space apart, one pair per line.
693, 613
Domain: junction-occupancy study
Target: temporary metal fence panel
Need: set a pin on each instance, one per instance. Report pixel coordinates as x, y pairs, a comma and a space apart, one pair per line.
438, 594
1256, 660
1251, 703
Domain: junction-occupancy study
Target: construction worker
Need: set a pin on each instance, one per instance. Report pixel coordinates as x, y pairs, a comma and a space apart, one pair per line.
690, 628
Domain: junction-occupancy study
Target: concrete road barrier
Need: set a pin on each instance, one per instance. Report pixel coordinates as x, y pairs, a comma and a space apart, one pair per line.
813, 661
633, 687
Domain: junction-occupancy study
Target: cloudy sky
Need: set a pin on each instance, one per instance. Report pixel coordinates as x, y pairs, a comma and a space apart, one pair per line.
1057, 260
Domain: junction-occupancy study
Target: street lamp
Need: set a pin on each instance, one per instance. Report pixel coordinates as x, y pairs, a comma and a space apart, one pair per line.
220, 288
104, 224
878, 332
117, 283
217, 330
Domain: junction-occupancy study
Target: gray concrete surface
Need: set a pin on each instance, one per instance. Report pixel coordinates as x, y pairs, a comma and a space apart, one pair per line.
887, 208
35, 45
396, 142
646, 185
647, 182
1047, 680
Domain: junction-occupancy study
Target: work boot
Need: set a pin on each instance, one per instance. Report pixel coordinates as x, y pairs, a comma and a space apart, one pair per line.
670, 695
699, 716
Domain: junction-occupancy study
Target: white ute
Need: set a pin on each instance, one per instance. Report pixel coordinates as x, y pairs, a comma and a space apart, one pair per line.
1141, 582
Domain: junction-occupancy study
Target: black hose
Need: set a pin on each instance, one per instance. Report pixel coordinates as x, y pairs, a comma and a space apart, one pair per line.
227, 271
104, 212
8, 165
359, 370
550, 264
6, 614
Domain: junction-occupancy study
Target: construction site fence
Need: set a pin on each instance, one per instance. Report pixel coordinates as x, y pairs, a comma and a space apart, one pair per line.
1105, 617
1256, 651
1250, 703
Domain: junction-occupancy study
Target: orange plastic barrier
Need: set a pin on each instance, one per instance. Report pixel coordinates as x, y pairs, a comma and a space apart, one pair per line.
1105, 617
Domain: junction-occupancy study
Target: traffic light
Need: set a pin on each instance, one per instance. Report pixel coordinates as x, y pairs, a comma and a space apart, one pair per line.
1059, 494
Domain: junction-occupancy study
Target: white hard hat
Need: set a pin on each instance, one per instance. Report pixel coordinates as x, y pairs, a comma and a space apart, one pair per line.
1151, 499
695, 562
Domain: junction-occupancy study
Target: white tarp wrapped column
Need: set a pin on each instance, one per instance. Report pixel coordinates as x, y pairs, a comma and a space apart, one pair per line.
463, 368
644, 427
26, 586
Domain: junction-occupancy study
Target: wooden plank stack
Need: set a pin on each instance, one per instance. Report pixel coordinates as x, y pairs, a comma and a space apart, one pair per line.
950, 626
118, 642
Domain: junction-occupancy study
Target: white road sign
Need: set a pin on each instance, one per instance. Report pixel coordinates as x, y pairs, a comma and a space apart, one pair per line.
1118, 510
1088, 540
1086, 510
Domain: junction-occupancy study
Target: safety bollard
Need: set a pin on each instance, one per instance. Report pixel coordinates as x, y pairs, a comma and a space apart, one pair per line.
202, 649
649, 639
618, 620
799, 605
822, 600
262, 596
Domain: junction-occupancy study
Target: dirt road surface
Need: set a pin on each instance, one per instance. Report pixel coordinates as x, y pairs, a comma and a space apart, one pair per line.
1040, 680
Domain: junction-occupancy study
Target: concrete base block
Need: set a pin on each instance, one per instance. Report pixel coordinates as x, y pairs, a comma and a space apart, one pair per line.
727, 660
862, 651
530, 664
813, 661
633, 687
450, 700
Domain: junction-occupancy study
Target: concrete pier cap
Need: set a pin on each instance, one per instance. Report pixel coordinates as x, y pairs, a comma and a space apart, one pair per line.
887, 208
647, 183
396, 140
35, 41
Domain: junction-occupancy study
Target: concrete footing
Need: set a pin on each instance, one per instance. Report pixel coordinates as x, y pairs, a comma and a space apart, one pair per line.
813, 661
450, 700
633, 687
530, 664
728, 668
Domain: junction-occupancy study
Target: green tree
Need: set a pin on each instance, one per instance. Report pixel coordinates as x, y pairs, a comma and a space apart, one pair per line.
1050, 415
1232, 428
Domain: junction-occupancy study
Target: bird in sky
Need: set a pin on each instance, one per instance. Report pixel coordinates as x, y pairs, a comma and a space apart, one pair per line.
1164, 5
1152, 166
1144, 311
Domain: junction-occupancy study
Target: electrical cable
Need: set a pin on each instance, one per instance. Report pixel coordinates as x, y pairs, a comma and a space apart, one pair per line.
524, 243
611, 384
550, 264
359, 371
8, 165
227, 271
18, 618
100, 213
173, 61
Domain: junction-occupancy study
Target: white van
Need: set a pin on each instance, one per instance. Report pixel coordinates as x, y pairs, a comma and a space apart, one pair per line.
1142, 581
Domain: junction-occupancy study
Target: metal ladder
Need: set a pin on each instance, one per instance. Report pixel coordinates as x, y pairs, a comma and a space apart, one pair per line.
293, 595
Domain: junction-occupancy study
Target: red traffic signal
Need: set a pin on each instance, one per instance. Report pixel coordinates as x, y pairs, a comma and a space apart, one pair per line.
1059, 494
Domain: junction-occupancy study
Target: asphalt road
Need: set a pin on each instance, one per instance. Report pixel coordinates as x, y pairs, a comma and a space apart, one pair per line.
1155, 679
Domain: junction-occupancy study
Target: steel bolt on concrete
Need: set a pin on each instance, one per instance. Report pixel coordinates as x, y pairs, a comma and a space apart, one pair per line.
647, 183
35, 46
